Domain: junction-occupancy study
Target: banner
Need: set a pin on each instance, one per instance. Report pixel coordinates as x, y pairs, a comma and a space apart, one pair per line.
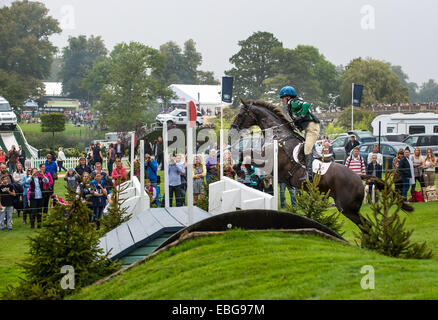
357, 94
227, 89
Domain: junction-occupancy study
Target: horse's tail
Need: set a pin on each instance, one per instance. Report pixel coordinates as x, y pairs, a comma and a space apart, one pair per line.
380, 185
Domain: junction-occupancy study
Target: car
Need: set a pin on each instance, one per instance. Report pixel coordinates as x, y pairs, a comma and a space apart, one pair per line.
424, 141
177, 117
8, 119
388, 149
362, 136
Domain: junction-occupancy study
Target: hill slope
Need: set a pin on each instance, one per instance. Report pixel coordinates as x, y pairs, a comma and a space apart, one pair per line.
242, 265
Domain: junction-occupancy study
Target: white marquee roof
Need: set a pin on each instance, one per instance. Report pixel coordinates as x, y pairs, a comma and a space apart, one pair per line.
53, 88
209, 94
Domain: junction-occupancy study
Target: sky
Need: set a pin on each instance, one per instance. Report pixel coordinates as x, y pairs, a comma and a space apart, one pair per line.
402, 32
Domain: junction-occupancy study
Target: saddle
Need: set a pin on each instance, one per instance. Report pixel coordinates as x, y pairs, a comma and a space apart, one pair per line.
300, 158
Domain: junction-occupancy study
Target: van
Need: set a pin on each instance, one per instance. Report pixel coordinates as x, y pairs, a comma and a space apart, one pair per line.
8, 119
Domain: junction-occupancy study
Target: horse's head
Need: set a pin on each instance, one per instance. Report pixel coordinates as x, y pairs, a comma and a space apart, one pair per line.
245, 119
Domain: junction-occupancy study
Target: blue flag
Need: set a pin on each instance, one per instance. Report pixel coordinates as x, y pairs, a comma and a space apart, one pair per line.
357, 95
227, 89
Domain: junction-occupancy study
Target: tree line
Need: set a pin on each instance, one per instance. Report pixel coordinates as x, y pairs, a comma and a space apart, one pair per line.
122, 82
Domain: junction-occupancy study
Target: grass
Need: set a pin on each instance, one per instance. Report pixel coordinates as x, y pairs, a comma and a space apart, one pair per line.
240, 265
313, 268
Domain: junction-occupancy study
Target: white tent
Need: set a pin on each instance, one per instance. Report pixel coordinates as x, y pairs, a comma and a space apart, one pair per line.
53, 89
207, 96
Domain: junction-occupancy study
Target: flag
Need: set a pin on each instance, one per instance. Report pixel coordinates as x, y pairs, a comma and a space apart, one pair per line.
227, 89
357, 94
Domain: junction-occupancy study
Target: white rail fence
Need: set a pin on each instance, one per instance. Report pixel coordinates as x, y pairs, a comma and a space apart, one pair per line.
70, 162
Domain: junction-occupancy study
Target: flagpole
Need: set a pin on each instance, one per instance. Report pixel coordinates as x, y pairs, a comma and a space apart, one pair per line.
352, 106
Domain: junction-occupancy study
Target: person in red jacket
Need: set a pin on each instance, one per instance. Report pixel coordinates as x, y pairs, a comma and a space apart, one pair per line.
119, 172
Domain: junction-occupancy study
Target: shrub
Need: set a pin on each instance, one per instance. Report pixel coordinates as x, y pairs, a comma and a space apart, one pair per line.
116, 215
384, 231
313, 204
66, 239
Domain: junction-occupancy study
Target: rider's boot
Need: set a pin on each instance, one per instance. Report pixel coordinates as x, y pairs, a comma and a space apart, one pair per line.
309, 166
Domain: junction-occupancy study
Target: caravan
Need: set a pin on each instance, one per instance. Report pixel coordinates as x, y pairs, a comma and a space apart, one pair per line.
405, 124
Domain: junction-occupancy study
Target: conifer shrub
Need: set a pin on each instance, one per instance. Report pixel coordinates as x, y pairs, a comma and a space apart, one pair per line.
314, 204
384, 230
66, 239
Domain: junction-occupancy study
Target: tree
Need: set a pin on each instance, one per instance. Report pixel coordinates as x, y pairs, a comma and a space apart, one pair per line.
66, 239
253, 64
412, 86
182, 66
306, 70
26, 53
428, 92
362, 119
207, 77
78, 57
381, 84
130, 79
53, 122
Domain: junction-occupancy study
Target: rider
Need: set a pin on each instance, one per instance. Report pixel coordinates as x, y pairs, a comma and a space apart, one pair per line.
299, 111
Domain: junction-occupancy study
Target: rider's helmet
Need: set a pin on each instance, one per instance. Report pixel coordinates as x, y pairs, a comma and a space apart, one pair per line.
288, 91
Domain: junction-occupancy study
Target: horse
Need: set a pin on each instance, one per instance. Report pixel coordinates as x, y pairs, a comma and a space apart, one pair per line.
343, 185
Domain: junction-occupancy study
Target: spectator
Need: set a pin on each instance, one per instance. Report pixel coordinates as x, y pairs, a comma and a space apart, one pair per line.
47, 188
84, 192
25, 186
90, 157
22, 156
211, 164
119, 172
61, 158
175, 170
292, 194
151, 191
147, 146
19, 173
199, 172
4, 172
417, 160
158, 151
111, 158
373, 169
183, 162
355, 162
51, 167
429, 168
377, 153
36, 188
82, 167
57, 200
2, 156
244, 175
99, 195
351, 145
13, 159
151, 167
7, 195
72, 179
53, 154
327, 155
97, 154
120, 149
404, 169
228, 165
397, 178
98, 169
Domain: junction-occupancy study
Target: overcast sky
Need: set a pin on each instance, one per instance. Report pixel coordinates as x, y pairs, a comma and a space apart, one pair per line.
404, 31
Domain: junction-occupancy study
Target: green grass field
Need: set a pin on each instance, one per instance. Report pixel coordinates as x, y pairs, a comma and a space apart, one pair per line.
231, 266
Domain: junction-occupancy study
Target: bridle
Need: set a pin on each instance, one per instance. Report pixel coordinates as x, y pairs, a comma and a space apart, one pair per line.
248, 113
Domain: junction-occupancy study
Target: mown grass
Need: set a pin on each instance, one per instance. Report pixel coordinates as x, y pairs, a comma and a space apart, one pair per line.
241, 265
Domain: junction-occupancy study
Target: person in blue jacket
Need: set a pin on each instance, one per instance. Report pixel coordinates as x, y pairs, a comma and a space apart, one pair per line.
99, 195
51, 167
151, 167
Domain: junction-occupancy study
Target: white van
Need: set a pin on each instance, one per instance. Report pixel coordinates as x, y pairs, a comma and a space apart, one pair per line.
405, 124
8, 118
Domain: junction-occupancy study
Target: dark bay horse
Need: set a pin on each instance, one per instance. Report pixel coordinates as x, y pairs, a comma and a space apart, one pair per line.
346, 187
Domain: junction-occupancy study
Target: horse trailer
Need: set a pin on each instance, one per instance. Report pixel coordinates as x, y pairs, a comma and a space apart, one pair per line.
405, 124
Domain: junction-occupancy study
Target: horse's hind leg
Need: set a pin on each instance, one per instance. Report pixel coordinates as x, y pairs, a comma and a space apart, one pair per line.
349, 205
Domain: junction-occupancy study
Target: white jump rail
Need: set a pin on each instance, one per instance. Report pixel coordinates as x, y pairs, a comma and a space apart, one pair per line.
68, 163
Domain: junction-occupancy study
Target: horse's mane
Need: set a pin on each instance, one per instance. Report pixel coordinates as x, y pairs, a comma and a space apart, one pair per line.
272, 107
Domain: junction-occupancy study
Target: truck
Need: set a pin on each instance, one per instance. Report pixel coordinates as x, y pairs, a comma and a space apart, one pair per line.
8, 119
399, 124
